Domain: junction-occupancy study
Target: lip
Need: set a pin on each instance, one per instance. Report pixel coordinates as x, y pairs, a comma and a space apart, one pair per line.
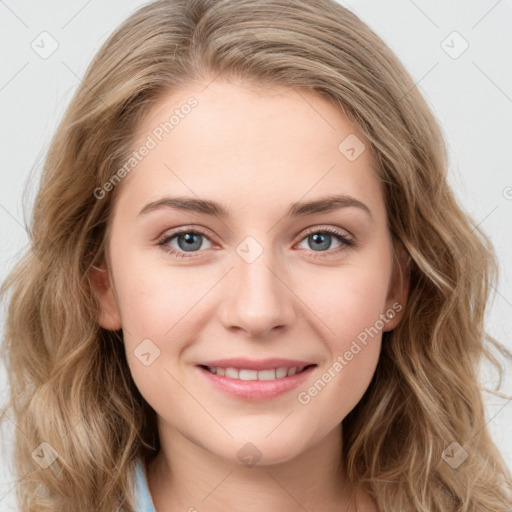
252, 364
255, 390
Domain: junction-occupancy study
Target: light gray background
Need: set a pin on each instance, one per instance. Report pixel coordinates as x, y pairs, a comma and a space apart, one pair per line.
471, 95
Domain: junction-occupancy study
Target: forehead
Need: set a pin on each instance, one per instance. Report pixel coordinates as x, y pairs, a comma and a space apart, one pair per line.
234, 141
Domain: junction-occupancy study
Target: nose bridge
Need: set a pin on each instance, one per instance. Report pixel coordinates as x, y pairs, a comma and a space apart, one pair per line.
259, 299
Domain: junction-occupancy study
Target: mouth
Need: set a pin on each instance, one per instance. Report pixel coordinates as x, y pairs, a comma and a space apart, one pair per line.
247, 374
253, 380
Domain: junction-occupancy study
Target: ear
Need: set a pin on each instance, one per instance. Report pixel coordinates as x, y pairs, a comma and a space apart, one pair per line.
398, 287
108, 315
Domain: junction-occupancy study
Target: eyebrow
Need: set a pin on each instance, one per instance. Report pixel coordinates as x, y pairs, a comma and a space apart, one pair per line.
297, 209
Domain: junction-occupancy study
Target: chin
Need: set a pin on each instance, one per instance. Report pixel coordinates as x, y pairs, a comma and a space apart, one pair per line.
260, 451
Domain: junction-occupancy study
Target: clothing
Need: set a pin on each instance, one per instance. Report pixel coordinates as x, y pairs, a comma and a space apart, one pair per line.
142, 495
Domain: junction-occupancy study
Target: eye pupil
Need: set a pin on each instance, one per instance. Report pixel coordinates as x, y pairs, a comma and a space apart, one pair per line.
190, 239
320, 240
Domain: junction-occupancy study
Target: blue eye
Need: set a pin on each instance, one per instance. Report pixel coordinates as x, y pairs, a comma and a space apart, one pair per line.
322, 238
190, 241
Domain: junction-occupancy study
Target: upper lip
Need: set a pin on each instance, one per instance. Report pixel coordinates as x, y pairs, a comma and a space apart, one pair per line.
240, 363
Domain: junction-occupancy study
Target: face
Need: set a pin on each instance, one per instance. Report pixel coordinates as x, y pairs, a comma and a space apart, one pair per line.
264, 276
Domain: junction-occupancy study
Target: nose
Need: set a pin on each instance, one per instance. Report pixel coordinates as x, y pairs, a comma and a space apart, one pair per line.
259, 300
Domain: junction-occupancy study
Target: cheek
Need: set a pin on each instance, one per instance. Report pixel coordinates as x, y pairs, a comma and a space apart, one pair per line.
351, 306
154, 298
352, 356
162, 312
349, 299
156, 316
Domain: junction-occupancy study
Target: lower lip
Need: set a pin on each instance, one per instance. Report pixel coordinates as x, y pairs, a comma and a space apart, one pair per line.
257, 389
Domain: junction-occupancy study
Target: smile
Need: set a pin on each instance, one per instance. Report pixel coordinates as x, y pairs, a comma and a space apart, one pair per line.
247, 374
255, 380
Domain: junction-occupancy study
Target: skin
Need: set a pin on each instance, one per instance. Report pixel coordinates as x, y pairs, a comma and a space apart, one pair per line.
255, 151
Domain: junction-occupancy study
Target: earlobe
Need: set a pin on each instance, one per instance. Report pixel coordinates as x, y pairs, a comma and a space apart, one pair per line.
108, 315
399, 287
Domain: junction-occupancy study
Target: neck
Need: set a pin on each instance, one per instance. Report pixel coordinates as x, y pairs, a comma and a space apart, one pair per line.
195, 479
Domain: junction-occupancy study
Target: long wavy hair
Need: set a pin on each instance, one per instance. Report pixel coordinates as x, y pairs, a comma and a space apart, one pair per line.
70, 384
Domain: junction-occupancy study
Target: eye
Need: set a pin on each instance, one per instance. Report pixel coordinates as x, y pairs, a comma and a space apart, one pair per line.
321, 239
188, 240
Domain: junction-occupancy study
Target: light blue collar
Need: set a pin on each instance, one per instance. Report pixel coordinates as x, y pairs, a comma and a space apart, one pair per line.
142, 495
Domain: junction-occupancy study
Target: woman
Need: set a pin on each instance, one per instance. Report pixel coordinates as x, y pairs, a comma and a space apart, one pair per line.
218, 373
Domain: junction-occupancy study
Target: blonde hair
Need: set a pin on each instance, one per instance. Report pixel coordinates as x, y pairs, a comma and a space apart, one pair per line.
69, 380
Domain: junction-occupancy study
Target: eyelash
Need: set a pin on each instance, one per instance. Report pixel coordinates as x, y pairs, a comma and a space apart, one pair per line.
345, 241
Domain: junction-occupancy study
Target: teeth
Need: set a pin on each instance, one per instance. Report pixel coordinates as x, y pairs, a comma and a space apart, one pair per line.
248, 375
281, 372
268, 374
232, 373
243, 374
